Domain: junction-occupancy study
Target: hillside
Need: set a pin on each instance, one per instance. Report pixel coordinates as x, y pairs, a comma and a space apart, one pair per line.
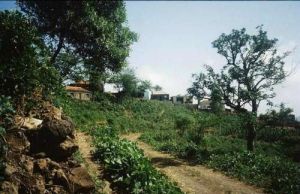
215, 141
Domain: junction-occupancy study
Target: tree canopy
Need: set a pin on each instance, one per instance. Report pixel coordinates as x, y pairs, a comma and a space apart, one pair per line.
95, 32
24, 59
253, 67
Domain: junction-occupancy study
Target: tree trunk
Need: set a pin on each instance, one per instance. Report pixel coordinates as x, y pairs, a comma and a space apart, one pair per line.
251, 127
59, 47
251, 136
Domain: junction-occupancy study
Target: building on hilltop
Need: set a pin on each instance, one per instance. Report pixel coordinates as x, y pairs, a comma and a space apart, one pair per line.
160, 95
182, 99
205, 104
79, 93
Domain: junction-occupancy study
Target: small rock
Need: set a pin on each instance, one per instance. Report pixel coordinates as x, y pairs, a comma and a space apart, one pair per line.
53, 164
39, 186
40, 155
8, 187
28, 165
41, 165
81, 181
60, 178
9, 170
28, 122
17, 141
67, 148
56, 189
73, 163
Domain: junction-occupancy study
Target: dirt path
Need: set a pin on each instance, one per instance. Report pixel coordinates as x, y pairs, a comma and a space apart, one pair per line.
192, 178
84, 142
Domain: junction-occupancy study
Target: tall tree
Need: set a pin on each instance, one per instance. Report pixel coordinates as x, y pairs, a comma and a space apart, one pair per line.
94, 31
253, 67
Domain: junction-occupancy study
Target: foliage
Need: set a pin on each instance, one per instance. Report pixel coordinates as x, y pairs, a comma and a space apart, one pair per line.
253, 67
216, 104
157, 88
94, 31
224, 136
6, 111
126, 81
142, 86
128, 168
184, 122
275, 174
278, 118
78, 157
23, 59
6, 116
2, 152
198, 86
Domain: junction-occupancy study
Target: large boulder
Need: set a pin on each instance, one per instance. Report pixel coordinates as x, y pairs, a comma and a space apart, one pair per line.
80, 181
58, 129
53, 139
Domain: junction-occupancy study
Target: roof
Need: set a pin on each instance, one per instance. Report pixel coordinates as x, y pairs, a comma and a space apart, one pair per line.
159, 93
76, 89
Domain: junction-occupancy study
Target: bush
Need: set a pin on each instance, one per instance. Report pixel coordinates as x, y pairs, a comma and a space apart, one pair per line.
273, 173
184, 122
127, 167
24, 59
6, 114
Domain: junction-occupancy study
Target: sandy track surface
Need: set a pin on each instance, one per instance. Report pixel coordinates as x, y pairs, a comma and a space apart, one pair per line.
192, 178
84, 142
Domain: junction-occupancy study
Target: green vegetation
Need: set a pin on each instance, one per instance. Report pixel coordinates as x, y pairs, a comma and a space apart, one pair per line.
217, 141
49, 42
94, 33
6, 112
127, 167
248, 76
24, 64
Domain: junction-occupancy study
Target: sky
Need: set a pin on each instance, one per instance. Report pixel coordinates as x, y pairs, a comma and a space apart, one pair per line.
175, 39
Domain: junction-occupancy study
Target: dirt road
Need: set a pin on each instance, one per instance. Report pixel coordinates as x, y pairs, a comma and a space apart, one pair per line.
192, 178
84, 142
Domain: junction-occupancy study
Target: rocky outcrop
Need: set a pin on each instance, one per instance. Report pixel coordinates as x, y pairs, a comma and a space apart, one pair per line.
39, 158
80, 180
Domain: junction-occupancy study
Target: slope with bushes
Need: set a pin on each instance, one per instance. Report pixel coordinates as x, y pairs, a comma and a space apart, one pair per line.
214, 140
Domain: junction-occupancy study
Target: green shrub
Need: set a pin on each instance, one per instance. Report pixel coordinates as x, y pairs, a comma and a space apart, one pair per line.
273, 173
184, 122
6, 114
126, 165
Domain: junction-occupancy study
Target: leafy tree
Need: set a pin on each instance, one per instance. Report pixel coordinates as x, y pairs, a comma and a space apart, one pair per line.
157, 88
198, 86
277, 118
142, 86
126, 82
24, 59
253, 67
95, 32
216, 101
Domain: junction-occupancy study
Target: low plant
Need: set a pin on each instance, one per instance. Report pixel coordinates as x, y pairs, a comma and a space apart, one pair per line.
128, 168
275, 174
